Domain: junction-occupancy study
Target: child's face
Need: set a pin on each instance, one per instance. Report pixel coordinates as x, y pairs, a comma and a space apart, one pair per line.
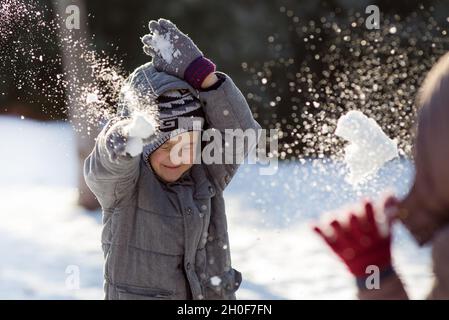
176, 156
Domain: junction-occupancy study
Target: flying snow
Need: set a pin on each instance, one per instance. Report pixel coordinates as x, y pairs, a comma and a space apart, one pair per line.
215, 281
91, 98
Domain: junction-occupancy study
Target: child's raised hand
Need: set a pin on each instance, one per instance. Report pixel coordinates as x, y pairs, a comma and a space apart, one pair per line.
116, 139
172, 50
127, 136
175, 53
361, 240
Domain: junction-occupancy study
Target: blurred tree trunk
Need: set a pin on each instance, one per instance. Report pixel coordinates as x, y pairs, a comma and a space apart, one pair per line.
76, 72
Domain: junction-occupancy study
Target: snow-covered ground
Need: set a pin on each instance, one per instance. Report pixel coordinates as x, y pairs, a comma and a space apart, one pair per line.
46, 241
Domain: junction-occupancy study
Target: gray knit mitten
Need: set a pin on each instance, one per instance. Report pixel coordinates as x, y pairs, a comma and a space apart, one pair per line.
173, 52
116, 138
128, 136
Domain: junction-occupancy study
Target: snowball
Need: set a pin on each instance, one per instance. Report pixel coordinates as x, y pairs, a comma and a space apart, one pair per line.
369, 147
215, 281
134, 146
140, 126
164, 47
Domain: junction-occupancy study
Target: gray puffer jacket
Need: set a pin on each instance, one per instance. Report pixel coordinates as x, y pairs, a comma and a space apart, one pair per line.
167, 240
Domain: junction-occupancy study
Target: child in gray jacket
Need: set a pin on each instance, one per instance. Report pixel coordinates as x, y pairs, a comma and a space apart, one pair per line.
165, 231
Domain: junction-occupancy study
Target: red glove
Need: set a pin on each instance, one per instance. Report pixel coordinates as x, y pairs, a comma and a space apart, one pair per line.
359, 242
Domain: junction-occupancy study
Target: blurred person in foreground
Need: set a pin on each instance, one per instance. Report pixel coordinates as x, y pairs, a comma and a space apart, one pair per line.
362, 238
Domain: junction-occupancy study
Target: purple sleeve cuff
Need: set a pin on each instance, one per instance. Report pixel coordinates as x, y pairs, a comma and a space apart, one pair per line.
198, 70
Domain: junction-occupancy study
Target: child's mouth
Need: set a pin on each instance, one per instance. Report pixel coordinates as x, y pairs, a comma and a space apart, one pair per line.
172, 167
